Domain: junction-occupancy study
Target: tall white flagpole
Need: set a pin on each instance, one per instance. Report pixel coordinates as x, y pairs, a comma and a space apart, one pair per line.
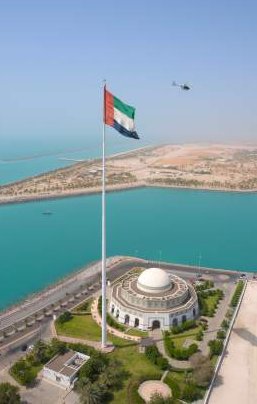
104, 332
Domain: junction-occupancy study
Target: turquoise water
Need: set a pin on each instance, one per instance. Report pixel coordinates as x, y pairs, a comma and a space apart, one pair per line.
174, 225
17, 167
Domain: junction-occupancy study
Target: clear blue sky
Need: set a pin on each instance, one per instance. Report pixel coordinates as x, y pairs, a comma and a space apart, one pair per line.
55, 53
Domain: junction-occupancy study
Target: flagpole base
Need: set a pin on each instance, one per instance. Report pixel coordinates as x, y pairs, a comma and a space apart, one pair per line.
108, 348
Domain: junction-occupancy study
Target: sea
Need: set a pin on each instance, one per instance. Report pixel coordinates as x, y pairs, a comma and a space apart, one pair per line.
206, 228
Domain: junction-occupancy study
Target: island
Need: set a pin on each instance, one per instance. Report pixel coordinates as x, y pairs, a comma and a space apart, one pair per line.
230, 167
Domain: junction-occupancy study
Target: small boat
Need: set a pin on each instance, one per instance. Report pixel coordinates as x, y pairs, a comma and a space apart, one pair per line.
47, 212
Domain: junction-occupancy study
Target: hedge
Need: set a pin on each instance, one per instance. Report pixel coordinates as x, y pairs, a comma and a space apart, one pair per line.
237, 294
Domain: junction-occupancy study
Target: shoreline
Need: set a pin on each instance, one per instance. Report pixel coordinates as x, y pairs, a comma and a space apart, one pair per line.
116, 188
93, 269
139, 164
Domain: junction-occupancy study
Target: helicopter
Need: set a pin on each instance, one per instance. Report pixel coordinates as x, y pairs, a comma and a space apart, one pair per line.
184, 86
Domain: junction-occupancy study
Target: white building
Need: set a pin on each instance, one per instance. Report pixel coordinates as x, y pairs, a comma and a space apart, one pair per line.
152, 298
63, 369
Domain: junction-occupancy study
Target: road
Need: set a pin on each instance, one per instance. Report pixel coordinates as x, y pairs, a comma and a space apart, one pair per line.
83, 284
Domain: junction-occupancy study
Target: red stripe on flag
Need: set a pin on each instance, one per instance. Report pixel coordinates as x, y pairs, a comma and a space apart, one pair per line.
108, 108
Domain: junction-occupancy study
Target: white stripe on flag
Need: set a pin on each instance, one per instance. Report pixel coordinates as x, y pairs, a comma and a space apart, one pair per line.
123, 120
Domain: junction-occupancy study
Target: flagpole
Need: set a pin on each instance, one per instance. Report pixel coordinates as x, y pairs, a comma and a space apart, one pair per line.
104, 332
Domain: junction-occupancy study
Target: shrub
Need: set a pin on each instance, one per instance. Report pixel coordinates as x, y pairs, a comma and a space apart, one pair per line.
179, 353
9, 394
221, 334
23, 372
216, 347
156, 358
191, 392
63, 318
225, 324
113, 323
237, 294
199, 335
187, 325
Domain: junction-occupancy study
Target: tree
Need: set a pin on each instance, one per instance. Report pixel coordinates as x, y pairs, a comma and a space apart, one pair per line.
93, 367
63, 318
191, 392
202, 369
216, 347
9, 394
113, 375
91, 393
23, 372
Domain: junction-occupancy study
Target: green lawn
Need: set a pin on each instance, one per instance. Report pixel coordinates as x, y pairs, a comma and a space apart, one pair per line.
136, 364
179, 339
80, 327
85, 327
137, 333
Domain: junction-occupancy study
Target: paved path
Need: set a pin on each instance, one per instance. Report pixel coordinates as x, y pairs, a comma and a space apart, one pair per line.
215, 322
236, 380
158, 338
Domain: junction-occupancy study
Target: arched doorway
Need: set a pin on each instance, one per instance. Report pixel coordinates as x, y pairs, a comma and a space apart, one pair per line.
136, 322
184, 318
156, 324
126, 319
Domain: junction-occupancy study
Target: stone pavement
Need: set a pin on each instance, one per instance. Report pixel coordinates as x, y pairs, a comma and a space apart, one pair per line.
215, 322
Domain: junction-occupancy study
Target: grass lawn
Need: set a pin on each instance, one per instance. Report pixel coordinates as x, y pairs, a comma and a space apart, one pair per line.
179, 339
137, 333
136, 364
80, 327
85, 327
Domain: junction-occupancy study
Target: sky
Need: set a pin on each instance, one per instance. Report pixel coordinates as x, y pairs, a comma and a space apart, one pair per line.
56, 53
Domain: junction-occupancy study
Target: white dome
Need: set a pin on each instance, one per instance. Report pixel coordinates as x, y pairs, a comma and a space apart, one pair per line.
154, 280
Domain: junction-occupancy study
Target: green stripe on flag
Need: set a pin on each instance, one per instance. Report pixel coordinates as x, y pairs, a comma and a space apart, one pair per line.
124, 108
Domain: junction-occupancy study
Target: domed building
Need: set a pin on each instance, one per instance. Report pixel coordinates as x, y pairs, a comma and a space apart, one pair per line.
152, 298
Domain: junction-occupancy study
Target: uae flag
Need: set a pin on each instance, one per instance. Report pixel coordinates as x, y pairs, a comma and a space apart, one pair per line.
119, 115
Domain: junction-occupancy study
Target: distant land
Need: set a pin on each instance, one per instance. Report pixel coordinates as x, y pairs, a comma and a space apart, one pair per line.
196, 166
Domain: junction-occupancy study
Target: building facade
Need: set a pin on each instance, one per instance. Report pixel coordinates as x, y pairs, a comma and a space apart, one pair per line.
152, 298
63, 369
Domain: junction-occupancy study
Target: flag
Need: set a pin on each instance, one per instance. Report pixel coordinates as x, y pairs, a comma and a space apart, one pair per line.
119, 115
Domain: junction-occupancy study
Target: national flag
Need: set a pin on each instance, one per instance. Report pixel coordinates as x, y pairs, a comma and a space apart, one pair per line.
119, 115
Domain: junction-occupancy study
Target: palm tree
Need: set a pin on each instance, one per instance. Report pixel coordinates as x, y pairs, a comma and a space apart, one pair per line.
90, 393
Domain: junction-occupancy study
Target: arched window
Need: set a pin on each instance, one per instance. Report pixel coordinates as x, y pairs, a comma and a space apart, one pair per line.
117, 313
194, 313
113, 308
126, 319
136, 322
184, 318
175, 322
